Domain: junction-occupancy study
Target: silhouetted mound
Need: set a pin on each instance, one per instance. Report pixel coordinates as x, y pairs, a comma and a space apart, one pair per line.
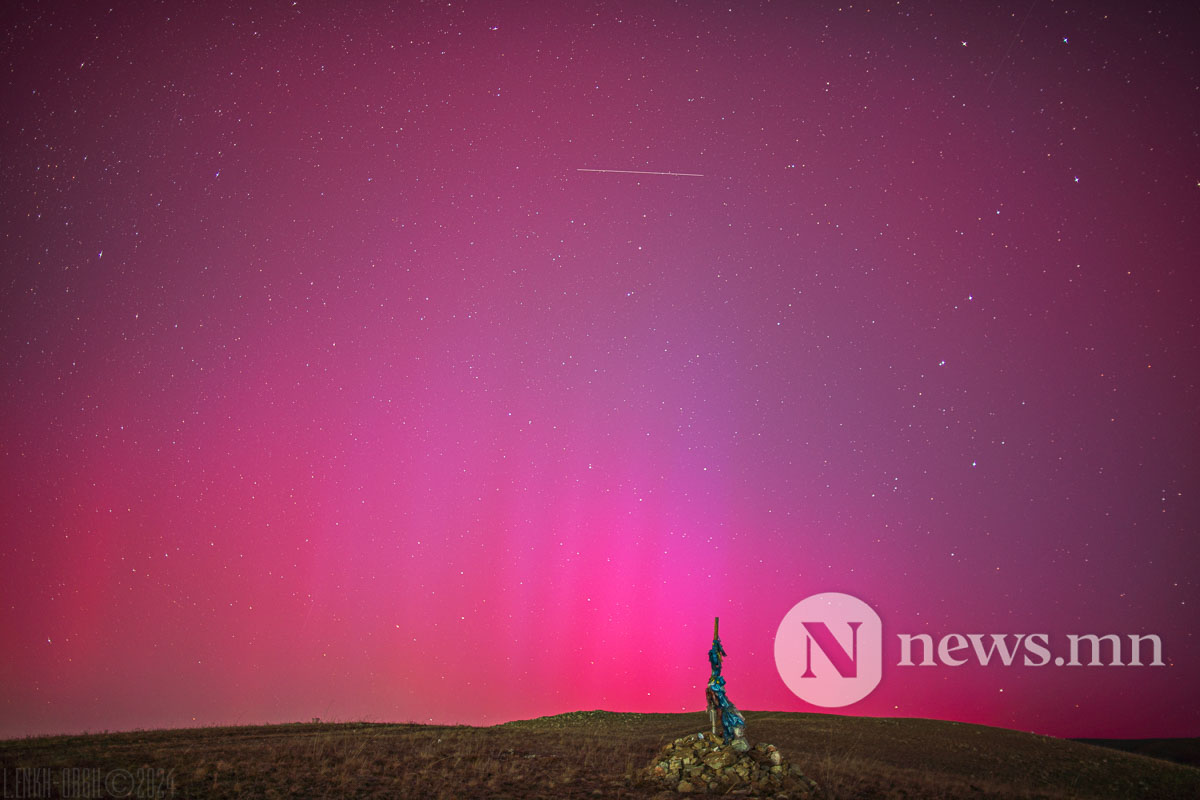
701, 763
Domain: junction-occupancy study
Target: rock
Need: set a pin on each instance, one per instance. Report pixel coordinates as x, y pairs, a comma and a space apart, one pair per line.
684, 787
720, 759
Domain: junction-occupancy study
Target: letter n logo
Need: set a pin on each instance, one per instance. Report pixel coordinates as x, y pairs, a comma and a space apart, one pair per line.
829, 649
845, 663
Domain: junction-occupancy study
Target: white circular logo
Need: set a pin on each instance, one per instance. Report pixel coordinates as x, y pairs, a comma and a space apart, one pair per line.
829, 649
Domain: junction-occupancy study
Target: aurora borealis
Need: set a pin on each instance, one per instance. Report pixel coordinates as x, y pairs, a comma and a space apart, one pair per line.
334, 388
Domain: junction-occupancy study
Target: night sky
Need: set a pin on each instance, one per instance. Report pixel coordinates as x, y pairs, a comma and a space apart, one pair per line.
334, 388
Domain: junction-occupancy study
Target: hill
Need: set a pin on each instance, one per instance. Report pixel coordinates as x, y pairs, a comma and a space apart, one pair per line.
580, 755
1181, 751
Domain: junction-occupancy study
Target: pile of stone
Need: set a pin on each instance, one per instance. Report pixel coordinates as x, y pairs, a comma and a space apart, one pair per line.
701, 763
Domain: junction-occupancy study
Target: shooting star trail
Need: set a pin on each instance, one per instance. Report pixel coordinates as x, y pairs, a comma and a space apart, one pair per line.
644, 172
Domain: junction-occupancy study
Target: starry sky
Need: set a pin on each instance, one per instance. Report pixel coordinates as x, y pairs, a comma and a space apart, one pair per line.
334, 388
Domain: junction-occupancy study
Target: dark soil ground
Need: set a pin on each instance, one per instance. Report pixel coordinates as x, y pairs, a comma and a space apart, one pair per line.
579, 755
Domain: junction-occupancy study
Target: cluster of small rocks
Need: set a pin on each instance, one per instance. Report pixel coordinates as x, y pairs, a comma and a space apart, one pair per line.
701, 763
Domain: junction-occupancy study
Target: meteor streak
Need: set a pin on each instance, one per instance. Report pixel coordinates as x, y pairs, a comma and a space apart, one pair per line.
644, 172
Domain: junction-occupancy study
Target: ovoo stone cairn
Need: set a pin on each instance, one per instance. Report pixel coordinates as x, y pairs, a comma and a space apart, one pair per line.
722, 761
702, 763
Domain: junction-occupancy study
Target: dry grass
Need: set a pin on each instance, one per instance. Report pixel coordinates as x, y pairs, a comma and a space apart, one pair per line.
598, 754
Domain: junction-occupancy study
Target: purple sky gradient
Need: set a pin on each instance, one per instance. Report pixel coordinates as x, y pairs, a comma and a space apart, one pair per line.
333, 388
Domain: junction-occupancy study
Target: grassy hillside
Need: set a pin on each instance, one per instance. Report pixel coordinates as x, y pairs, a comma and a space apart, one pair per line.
1182, 751
591, 754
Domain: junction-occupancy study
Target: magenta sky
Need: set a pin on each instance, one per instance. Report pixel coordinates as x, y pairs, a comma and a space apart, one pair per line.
333, 388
